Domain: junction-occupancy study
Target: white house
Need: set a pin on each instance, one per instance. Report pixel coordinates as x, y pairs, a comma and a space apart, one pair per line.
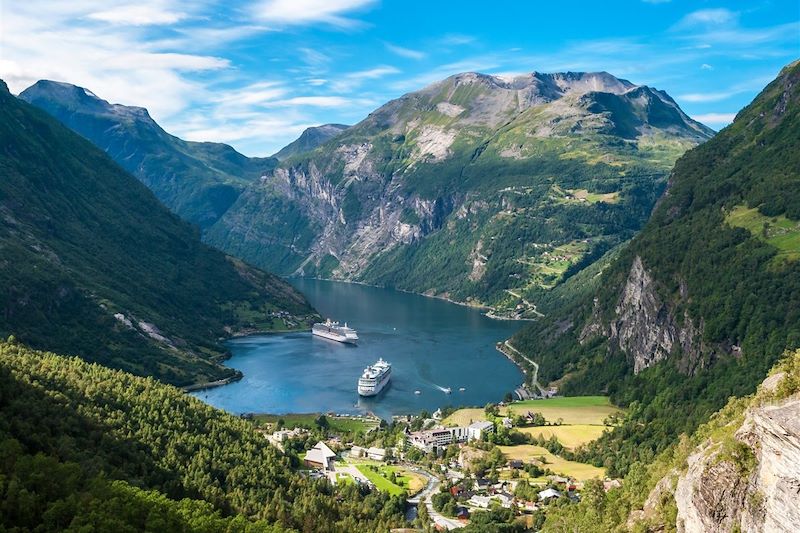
477, 430
549, 494
376, 454
320, 456
357, 451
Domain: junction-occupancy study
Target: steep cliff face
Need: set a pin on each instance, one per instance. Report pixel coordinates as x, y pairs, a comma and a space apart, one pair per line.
645, 327
746, 479
404, 197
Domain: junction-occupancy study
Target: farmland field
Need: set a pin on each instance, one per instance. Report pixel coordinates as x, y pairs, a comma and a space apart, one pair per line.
586, 410
529, 453
569, 436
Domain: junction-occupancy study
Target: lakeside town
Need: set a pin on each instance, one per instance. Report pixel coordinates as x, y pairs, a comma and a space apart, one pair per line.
458, 466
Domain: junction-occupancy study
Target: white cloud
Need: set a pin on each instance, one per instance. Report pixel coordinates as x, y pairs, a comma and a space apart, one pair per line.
138, 15
706, 66
705, 97
300, 12
405, 52
715, 120
707, 17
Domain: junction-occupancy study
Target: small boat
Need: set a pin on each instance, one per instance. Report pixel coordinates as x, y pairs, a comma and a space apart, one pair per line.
447, 390
461, 389
417, 392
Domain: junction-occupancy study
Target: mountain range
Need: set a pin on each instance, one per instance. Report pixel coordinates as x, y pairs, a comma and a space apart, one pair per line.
197, 180
702, 302
94, 265
477, 188
481, 189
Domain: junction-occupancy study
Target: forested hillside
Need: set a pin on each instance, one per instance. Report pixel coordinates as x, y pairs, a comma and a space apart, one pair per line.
484, 189
197, 180
699, 305
83, 446
93, 265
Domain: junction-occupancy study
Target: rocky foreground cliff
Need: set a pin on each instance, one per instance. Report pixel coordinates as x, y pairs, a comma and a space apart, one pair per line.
741, 471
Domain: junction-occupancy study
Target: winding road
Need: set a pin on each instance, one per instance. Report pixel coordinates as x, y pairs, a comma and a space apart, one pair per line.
425, 496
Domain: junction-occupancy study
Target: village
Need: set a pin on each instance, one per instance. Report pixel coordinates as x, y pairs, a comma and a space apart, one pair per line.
453, 464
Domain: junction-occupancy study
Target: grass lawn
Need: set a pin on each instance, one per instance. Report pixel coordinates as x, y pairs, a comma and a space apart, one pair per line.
569, 436
464, 417
306, 420
780, 232
380, 482
529, 453
584, 410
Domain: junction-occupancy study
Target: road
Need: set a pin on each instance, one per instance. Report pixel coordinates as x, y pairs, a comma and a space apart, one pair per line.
425, 496
535, 376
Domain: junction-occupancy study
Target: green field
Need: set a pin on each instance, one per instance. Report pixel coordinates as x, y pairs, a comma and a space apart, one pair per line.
780, 232
407, 482
588, 410
306, 420
532, 454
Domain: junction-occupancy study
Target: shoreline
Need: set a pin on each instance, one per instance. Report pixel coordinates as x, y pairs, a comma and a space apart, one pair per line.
479, 307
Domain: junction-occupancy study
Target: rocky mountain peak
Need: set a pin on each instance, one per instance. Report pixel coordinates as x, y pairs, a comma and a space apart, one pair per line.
48, 94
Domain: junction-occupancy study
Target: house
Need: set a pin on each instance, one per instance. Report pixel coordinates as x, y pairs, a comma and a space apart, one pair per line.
320, 456
549, 494
462, 514
437, 414
479, 501
477, 430
376, 454
507, 423
505, 499
358, 451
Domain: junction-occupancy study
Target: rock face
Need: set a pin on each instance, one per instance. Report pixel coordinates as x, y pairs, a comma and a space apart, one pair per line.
716, 495
404, 197
644, 326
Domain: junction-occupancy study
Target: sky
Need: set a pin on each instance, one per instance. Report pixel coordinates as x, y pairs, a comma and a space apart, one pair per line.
255, 74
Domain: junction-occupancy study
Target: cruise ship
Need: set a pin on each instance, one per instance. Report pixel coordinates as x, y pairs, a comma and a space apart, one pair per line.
335, 332
375, 378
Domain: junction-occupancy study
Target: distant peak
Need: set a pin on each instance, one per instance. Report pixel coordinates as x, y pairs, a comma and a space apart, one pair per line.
75, 97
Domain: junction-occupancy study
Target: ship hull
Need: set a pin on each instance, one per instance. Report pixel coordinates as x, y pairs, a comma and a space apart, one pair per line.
334, 337
374, 392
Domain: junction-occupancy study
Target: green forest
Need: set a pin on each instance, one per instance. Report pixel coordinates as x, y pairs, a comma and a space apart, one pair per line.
83, 446
94, 265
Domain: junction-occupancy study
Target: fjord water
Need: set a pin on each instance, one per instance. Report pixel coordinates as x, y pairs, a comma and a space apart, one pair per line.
432, 344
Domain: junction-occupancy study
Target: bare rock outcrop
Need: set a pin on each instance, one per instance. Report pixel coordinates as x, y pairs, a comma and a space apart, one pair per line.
718, 494
644, 326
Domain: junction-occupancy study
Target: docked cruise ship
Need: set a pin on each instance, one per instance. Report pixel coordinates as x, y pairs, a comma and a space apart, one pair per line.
375, 378
335, 332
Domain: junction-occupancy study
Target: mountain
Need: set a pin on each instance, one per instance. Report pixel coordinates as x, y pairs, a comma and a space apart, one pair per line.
478, 188
701, 303
198, 181
93, 265
86, 448
310, 139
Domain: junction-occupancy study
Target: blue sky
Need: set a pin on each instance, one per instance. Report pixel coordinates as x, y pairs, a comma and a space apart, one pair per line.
256, 73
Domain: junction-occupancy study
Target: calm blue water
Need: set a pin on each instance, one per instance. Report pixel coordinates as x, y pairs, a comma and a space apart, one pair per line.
431, 344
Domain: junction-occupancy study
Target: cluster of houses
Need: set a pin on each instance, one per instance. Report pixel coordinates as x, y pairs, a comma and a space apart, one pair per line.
483, 494
431, 440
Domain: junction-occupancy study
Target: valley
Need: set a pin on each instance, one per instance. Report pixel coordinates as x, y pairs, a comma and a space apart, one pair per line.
582, 291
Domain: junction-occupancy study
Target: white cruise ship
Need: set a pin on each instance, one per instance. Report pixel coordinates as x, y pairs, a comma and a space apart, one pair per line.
335, 332
375, 378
